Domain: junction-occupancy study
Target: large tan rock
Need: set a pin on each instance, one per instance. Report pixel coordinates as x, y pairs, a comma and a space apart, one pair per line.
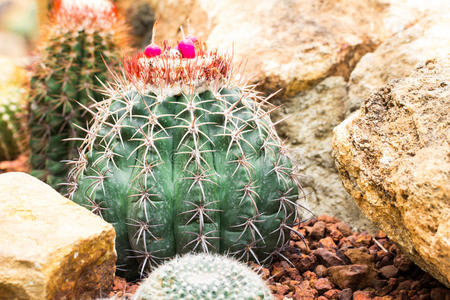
287, 44
394, 159
312, 116
398, 56
50, 248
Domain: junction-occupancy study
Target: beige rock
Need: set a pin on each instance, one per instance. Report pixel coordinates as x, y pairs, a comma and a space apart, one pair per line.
287, 44
311, 117
50, 248
397, 57
394, 159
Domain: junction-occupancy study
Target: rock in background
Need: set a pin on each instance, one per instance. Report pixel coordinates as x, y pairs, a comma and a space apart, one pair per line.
310, 49
394, 159
50, 247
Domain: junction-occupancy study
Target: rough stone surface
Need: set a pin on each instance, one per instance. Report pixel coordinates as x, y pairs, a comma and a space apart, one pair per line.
311, 117
398, 56
50, 248
394, 159
287, 44
351, 276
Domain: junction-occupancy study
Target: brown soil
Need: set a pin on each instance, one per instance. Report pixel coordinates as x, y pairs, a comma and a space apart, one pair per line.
335, 262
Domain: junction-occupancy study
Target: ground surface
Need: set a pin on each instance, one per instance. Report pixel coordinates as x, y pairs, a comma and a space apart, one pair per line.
336, 263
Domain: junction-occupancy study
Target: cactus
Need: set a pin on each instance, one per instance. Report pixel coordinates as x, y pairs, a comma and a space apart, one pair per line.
181, 157
203, 276
79, 37
13, 132
13, 104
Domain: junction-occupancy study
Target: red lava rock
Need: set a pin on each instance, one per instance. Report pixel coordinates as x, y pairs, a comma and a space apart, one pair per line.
304, 291
332, 294
303, 246
364, 239
293, 273
322, 298
439, 294
265, 273
389, 271
277, 271
344, 229
334, 232
346, 294
345, 243
328, 219
391, 284
327, 243
386, 261
351, 276
317, 230
306, 262
405, 285
322, 285
311, 276
279, 288
321, 271
362, 295
402, 263
327, 258
383, 298
360, 256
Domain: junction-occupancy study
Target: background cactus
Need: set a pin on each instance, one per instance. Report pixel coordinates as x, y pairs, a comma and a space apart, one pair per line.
182, 158
13, 137
79, 36
203, 276
13, 105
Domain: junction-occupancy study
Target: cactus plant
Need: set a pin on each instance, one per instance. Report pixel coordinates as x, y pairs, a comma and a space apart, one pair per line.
203, 276
79, 37
13, 104
180, 157
13, 132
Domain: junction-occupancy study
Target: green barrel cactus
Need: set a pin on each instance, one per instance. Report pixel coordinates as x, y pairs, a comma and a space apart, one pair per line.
180, 157
13, 125
77, 41
203, 276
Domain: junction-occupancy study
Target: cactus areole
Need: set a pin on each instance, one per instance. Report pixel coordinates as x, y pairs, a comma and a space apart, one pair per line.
181, 157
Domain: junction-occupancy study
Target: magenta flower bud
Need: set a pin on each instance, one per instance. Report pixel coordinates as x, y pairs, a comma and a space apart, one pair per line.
186, 48
152, 51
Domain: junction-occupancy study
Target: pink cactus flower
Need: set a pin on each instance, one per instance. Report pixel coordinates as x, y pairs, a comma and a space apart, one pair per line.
187, 48
152, 50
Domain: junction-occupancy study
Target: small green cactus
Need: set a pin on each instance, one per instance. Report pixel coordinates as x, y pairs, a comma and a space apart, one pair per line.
205, 277
13, 132
80, 37
181, 158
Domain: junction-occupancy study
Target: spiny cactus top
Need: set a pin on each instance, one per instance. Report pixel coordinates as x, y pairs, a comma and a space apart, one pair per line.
79, 37
180, 157
203, 276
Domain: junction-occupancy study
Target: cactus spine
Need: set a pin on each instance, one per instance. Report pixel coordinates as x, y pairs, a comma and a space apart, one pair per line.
80, 35
203, 276
182, 158
13, 105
